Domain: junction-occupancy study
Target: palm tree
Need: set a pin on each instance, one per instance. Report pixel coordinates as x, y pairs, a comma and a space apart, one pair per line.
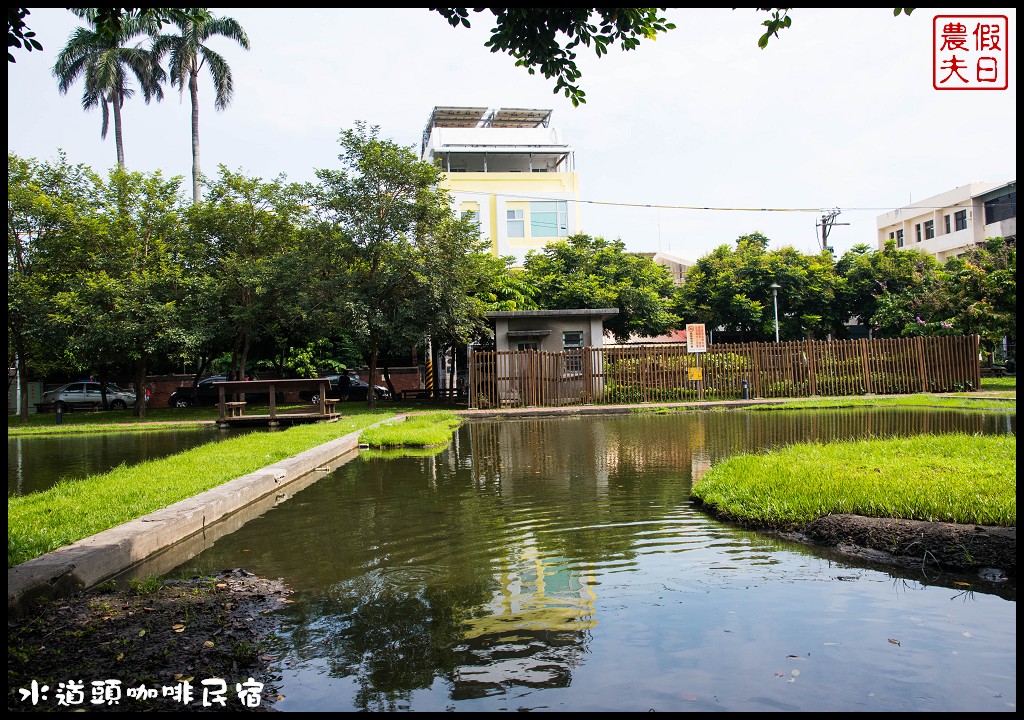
105, 63
188, 54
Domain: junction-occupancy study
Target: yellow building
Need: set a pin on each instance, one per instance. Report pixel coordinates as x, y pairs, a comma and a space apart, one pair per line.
509, 168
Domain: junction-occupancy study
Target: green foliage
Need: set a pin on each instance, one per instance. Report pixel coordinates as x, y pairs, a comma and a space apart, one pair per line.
402, 266
249, 262
731, 289
546, 39
975, 294
587, 272
104, 61
780, 20
188, 54
873, 276
18, 33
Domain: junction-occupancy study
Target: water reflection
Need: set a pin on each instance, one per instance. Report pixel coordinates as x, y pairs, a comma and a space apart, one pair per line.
558, 564
36, 463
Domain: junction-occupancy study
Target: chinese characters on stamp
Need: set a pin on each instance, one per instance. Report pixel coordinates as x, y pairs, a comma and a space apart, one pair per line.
970, 52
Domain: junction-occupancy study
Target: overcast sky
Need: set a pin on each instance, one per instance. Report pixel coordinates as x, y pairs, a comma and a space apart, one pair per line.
838, 112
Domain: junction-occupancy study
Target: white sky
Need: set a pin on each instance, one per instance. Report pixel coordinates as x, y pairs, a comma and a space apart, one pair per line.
838, 112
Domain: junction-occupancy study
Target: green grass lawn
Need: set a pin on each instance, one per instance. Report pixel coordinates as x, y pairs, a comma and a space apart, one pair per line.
72, 510
956, 478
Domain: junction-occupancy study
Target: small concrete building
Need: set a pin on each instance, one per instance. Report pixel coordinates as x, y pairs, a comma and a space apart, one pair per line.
549, 330
540, 353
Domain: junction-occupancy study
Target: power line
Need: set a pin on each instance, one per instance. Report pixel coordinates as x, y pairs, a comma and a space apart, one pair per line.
713, 208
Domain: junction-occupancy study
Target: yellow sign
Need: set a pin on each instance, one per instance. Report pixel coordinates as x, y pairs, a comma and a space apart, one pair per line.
696, 374
696, 339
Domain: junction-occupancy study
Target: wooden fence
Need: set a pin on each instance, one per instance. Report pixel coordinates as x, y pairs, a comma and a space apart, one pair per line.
667, 373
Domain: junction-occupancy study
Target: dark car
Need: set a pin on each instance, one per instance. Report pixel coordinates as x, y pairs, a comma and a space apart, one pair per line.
206, 393
356, 390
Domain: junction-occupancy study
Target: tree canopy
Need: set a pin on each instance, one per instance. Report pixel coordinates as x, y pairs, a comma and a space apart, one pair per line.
188, 54
587, 272
104, 62
404, 266
546, 39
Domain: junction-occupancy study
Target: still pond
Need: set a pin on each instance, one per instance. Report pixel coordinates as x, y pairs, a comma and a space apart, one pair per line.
557, 564
36, 463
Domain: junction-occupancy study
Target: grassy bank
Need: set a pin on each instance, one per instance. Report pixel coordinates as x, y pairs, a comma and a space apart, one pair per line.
422, 430
955, 478
72, 510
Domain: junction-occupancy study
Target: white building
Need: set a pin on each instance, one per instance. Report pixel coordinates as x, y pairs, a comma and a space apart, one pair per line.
946, 225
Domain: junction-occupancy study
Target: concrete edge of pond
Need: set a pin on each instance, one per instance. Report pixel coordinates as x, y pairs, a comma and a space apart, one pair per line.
107, 554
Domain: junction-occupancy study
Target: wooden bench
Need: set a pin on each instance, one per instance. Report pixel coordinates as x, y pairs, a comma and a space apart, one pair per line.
271, 388
234, 409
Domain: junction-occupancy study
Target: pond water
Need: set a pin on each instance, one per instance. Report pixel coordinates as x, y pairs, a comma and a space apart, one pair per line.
557, 564
36, 463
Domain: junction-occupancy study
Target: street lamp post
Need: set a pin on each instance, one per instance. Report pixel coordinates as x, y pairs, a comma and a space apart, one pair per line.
775, 300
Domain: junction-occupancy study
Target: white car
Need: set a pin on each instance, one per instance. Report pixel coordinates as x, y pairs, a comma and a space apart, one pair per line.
83, 394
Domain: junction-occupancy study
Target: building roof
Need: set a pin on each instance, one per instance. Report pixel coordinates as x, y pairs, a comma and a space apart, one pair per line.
451, 116
575, 312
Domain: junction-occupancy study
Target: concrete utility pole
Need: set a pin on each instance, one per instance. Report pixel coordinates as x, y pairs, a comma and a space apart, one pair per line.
827, 221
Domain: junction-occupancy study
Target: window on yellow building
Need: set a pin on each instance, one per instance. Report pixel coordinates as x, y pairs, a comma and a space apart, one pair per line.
549, 219
516, 226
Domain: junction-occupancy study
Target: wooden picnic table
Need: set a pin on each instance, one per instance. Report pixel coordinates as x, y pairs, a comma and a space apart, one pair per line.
236, 409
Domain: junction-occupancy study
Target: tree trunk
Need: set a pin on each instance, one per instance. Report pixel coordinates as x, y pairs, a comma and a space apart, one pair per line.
23, 378
103, 390
387, 380
140, 389
118, 142
371, 396
193, 90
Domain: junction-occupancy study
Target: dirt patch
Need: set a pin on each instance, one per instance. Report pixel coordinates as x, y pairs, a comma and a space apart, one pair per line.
163, 637
947, 546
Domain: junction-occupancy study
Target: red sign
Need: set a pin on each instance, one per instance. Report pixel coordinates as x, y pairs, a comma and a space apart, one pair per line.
696, 339
970, 52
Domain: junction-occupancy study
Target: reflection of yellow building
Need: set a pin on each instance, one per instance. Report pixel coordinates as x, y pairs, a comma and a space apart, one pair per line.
537, 594
511, 170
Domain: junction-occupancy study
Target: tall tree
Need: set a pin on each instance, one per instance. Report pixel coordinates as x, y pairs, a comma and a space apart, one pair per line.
121, 312
731, 289
245, 237
188, 55
588, 272
405, 267
105, 62
48, 241
870, 276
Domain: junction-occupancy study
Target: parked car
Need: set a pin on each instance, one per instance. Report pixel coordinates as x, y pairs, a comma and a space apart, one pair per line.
206, 393
86, 394
357, 390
